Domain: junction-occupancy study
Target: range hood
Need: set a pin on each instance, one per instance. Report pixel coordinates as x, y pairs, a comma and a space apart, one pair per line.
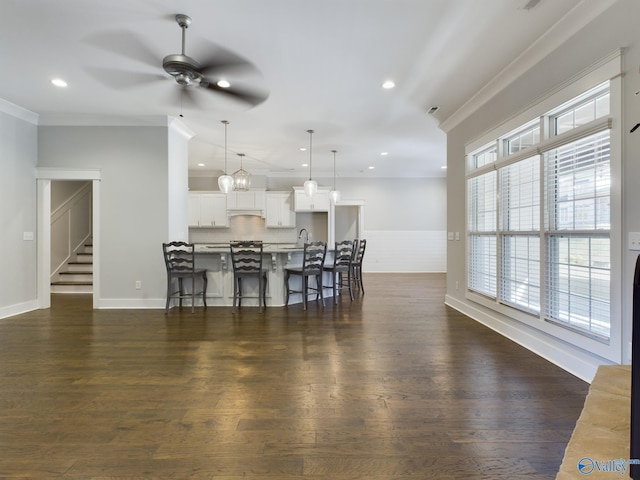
234, 212
250, 203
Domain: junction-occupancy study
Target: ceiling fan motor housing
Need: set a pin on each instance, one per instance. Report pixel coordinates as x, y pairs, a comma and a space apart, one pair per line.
183, 68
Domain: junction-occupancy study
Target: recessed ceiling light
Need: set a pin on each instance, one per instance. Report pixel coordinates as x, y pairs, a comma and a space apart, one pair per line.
384, 153
223, 84
388, 84
58, 82
201, 164
444, 167
303, 149
371, 167
305, 164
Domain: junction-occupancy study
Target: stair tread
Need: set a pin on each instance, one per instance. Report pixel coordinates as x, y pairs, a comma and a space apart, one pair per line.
71, 282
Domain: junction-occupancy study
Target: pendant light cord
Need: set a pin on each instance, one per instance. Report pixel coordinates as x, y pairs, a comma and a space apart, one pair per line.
310, 132
225, 122
334, 168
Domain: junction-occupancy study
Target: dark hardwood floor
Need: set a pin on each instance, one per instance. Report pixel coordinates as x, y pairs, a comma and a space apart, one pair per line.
394, 385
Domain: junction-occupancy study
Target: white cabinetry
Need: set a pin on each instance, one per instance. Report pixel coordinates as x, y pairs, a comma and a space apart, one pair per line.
279, 210
251, 200
320, 202
208, 210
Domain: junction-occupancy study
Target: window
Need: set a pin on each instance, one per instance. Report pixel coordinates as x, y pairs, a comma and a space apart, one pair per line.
580, 112
578, 217
520, 234
525, 138
539, 217
482, 234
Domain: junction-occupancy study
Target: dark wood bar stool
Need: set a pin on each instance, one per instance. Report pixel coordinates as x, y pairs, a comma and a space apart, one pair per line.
356, 265
312, 263
246, 258
342, 259
179, 259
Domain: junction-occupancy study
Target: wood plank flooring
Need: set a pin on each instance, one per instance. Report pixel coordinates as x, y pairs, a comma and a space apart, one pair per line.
394, 385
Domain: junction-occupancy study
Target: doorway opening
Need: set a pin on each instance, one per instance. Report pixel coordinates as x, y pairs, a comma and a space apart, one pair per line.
85, 237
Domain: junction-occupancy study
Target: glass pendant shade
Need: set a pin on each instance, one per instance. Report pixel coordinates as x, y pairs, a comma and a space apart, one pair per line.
334, 195
225, 182
310, 187
241, 178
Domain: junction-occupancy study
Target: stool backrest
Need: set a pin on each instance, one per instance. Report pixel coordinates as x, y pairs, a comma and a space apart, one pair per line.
179, 257
362, 245
343, 253
246, 256
314, 254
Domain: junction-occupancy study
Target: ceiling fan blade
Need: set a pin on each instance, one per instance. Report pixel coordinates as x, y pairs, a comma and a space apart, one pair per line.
128, 44
187, 97
223, 61
250, 96
122, 78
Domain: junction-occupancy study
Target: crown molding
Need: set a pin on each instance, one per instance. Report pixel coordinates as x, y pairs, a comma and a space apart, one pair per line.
576, 19
18, 112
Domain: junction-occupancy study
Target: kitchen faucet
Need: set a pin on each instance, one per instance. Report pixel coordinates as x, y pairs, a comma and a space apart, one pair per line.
306, 238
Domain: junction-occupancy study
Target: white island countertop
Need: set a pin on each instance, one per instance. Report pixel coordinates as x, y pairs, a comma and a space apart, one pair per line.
267, 248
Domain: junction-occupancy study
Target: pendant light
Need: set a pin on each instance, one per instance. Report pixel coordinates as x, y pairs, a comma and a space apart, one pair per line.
241, 178
334, 194
310, 186
225, 182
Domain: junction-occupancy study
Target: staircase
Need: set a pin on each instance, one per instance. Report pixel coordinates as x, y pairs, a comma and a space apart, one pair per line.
77, 275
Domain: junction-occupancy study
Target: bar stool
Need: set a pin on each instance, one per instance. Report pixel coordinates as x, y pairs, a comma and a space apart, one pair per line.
179, 260
356, 265
246, 259
312, 263
342, 260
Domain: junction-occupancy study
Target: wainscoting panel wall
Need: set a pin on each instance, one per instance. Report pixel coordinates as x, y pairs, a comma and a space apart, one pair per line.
405, 251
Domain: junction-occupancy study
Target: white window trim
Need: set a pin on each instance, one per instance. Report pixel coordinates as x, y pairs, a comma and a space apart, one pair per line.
609, 68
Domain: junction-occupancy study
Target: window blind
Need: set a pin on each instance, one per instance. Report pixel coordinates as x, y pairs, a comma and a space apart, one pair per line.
577, 209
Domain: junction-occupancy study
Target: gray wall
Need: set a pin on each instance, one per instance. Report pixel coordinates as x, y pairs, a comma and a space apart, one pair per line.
18, 147
133, 201
617, 27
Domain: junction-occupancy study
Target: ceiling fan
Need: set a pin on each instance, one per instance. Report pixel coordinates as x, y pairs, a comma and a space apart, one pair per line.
188, 72
209, 74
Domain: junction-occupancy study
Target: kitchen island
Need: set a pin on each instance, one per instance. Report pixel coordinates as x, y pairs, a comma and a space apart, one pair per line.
216, 258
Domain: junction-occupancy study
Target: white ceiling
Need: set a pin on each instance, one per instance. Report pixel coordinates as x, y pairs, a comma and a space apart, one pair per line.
322, 62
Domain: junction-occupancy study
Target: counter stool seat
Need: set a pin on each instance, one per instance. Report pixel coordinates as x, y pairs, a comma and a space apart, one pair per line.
246, 259
312, 263
342, 259
179, 260
356, 265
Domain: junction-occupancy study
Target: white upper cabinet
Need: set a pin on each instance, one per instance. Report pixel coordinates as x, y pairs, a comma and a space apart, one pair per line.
251, 200
320, 202
208, 210
279, 210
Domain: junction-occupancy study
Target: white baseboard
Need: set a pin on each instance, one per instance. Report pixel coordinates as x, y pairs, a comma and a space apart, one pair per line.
18, 308
131, 303
574, 360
